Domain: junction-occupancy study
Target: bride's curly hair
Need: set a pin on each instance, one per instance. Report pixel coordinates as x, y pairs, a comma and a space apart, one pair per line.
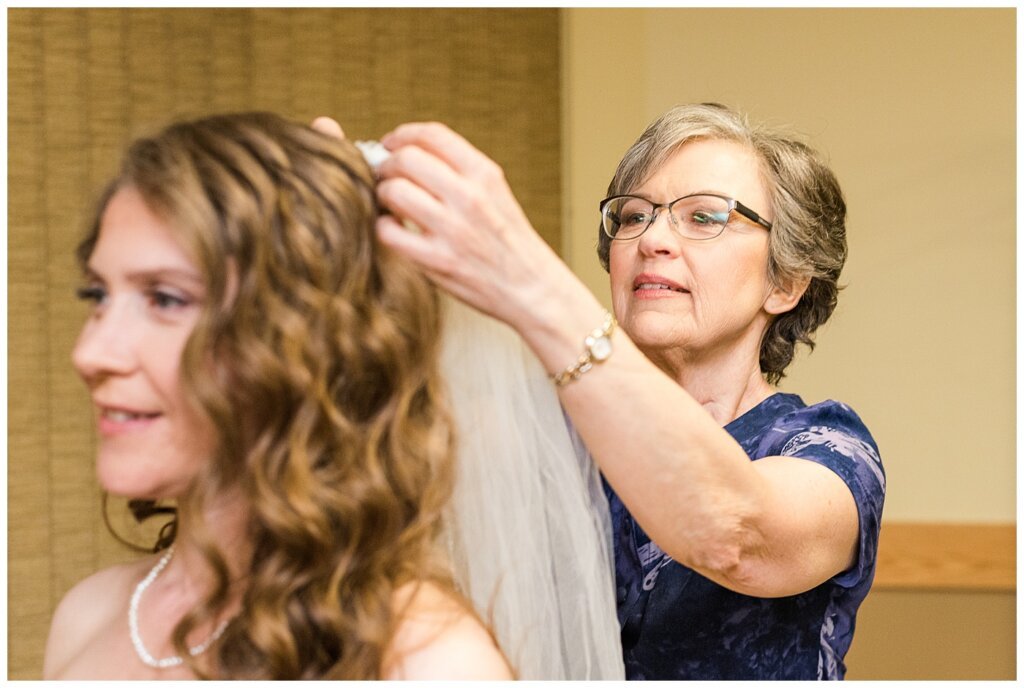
315, 362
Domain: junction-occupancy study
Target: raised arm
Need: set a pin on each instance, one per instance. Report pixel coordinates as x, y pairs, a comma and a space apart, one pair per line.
768, 528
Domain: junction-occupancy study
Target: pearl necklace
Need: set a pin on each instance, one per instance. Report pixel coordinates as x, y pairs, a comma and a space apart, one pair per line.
133, 622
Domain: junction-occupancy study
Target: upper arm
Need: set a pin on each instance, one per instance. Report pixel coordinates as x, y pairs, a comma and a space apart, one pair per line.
807, 532
821, 512
439, 639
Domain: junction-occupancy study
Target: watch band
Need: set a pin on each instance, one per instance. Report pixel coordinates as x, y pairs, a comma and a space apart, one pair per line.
597, 348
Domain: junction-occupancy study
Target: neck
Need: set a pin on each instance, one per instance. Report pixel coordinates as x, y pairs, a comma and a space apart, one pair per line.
222, 525
183, 581
726, 381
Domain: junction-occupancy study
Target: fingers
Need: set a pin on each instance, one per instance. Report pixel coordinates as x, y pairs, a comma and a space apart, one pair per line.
444, 143
409, 201
326, 125
423, 170
473, 189
476, 242
420, 249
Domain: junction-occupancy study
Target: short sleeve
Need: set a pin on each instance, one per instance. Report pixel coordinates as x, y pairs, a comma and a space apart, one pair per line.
831, 433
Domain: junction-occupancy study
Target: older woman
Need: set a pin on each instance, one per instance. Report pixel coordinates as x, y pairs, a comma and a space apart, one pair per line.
745, 521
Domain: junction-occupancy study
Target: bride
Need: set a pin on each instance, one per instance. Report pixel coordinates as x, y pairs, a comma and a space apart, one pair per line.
254, 355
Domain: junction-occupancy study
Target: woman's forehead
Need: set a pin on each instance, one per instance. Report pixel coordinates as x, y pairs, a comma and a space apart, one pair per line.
133, 237
717, 165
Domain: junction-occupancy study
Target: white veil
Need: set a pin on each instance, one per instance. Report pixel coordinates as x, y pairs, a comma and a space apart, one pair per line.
528, 528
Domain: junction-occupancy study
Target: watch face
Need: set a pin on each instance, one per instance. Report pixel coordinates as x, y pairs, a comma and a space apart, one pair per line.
600, 348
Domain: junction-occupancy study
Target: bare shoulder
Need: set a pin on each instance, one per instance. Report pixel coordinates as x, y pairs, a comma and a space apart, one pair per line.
439, 638
88, 607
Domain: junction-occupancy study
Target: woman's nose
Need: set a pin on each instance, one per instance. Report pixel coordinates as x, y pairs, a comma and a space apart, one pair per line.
661, 237
107, 344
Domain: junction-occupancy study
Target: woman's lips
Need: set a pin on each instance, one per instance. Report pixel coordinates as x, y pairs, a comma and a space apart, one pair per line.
656, 287
117, 421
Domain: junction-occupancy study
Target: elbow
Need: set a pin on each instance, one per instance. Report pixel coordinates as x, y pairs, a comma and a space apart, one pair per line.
731, 561
719, 560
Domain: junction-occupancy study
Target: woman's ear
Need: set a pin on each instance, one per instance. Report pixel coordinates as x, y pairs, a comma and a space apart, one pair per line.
783, 298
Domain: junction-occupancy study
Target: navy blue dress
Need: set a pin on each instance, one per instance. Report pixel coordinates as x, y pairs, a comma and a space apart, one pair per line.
677, 624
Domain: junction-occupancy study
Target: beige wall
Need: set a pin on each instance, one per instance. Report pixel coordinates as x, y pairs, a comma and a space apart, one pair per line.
916, 111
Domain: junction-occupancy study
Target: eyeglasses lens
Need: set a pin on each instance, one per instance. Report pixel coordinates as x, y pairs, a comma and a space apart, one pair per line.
695, 217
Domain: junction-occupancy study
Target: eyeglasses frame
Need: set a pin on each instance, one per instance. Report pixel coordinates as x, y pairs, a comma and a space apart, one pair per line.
740, 208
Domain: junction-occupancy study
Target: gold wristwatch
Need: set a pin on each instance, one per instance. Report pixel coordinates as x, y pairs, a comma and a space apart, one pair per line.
597, 348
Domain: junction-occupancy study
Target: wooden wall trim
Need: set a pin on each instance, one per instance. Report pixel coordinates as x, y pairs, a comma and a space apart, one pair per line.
946, 556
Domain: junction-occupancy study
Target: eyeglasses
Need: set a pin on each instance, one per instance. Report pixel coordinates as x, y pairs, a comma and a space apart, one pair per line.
698, 216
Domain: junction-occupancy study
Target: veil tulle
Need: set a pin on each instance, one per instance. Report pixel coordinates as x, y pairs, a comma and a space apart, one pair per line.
528, 530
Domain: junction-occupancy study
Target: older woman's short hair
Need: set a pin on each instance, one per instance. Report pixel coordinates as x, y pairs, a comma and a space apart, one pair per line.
808, 236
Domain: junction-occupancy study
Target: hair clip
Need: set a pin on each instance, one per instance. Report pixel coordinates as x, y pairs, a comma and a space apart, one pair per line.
373, 152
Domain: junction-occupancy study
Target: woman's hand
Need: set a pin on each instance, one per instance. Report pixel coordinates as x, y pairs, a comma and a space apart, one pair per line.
326, 125
473, 238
